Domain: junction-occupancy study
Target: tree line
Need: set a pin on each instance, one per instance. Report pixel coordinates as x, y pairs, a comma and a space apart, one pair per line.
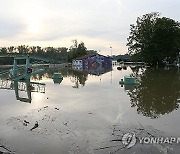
154, 39
58, 55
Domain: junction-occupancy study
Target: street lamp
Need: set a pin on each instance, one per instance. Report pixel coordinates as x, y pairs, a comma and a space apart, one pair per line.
111, 50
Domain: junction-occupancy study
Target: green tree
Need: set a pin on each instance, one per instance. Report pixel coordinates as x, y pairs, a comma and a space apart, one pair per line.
81, 49
63, 54
92, 52
11, 49
23, 49
76, 50
154, 39
3, 50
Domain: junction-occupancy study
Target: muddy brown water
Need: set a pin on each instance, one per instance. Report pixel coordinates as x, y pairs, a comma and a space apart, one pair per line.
88, 113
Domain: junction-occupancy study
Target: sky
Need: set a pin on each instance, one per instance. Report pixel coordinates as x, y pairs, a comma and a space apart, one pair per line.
100, 24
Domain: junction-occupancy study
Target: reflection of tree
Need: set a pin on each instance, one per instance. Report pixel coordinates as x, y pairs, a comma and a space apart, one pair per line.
77, 77
158, 93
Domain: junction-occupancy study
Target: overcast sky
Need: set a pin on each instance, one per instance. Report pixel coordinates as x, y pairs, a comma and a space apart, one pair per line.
98, 23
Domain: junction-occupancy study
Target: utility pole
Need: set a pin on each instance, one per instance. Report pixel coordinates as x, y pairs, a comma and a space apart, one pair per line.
111, 50
178, 65
178, 60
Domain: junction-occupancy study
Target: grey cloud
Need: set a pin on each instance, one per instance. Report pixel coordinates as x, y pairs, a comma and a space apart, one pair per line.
10, 28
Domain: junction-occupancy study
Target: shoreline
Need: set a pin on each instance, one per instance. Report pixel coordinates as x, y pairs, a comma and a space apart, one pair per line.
50, 65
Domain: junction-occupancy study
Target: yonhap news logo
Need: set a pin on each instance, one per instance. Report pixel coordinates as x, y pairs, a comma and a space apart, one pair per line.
130, 139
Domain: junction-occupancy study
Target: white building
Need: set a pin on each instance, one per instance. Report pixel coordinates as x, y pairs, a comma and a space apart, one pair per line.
77, 62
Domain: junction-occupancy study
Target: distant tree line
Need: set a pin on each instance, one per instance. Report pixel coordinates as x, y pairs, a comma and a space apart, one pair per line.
58, 55
120, 58
154, 39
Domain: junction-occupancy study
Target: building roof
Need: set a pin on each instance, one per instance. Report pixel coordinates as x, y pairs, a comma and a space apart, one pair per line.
90, 55
82, 57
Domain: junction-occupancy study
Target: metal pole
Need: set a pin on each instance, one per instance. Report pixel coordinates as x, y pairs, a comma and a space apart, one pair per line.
27, 66
178, 59
15, 68
178, 62
111, 50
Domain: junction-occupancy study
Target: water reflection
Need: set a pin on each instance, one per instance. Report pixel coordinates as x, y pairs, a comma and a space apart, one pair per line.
81, 75
77, 76
158, 93
24, 87
57, 81
99, 70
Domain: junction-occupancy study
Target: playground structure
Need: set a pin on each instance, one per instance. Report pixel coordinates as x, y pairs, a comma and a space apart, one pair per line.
21, 82
28, 69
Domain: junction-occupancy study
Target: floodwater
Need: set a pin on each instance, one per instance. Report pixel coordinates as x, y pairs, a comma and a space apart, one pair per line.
89, 114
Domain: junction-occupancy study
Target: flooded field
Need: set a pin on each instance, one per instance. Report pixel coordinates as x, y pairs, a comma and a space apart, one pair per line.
89, 114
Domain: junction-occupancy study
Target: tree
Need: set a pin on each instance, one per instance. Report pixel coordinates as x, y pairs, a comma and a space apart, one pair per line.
22, 49
154, 39
11, 49
81, 49
63, 54
92, 52
56, 55
76, 50
3, 50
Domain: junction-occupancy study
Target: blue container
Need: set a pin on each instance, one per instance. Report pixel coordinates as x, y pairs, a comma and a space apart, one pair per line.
129, 80
57, 76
